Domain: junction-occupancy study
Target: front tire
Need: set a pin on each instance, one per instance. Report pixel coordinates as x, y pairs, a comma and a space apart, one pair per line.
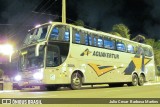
141, 80
76, 81
134, 80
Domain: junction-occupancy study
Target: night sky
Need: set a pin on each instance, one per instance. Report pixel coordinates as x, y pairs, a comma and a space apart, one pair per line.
141, 16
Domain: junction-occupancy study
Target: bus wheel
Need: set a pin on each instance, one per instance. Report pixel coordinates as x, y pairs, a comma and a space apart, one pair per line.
134, 80
141, 80
76, 81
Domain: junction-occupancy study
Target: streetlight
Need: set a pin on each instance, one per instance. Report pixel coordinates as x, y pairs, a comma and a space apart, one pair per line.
6, 49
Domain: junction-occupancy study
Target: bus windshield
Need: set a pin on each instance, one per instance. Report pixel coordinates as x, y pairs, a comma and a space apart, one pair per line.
36, 35
28, 60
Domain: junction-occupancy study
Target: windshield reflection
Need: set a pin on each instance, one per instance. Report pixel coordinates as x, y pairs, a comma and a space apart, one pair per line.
30, 61
36, 35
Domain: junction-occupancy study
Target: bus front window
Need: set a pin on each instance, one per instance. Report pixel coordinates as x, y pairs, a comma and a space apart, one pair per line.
36, 35
30, 61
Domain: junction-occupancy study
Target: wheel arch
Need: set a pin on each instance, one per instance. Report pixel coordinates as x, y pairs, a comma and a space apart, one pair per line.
142, 73
135, 73
81, 73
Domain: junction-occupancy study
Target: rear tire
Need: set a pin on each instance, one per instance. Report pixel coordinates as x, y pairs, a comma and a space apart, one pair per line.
76, 81
141, 80
134, 80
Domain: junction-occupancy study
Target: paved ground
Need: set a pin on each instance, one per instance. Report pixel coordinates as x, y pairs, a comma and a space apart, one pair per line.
147, 91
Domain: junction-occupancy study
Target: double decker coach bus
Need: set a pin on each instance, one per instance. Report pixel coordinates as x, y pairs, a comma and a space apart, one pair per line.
57, 54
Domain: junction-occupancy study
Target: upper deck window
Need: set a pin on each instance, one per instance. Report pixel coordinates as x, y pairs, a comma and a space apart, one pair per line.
54, 34
100, 42
109, 44
86, 37
147, 52
121, 46
77, 37
59, 33
66, 36
36, 35
130, 49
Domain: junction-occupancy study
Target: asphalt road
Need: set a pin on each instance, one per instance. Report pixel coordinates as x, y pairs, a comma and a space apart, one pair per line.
148, 91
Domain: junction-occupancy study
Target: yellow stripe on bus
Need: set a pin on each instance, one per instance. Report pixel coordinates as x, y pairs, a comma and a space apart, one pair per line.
138, 62
100, 71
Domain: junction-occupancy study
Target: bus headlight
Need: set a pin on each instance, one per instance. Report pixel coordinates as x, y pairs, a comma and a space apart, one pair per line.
38, 75
18, 78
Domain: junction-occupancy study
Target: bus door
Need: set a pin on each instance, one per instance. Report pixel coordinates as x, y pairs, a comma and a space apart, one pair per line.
52, 61
53, 56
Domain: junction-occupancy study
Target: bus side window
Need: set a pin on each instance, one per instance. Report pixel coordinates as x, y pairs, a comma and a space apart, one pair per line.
150, 53
77, 37
147, 52
95, 41
86, 39
130, 49
121, 47
90, 40
54, 33
100, 42
109, 44
140, 51
66, 35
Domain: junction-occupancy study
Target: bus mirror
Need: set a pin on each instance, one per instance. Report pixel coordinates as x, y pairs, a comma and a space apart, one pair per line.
37, 50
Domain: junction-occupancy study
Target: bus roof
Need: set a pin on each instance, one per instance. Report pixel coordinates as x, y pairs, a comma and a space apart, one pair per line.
96, 32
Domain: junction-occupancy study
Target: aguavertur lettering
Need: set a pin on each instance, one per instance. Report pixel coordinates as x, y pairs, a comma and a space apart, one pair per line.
103, 54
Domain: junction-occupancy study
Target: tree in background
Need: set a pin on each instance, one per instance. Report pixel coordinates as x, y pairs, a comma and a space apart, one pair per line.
150, 42
121, 29
156, 48
139, 38
115, 33
79, 23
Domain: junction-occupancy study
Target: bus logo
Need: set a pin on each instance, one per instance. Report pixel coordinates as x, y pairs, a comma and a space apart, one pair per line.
86, 52
100, 70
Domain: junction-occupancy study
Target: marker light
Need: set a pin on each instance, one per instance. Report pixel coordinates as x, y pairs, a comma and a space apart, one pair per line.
18, 78
37, 26
38, 75
50, 22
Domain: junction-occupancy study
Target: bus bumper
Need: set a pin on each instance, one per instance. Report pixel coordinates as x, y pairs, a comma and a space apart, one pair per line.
25, 83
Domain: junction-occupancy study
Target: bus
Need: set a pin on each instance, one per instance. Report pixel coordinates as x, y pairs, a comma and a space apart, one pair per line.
57, 54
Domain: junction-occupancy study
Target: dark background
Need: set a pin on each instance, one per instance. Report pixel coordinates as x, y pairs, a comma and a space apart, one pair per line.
141, 16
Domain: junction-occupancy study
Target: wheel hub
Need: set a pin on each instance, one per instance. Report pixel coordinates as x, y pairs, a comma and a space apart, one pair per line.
76, 81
